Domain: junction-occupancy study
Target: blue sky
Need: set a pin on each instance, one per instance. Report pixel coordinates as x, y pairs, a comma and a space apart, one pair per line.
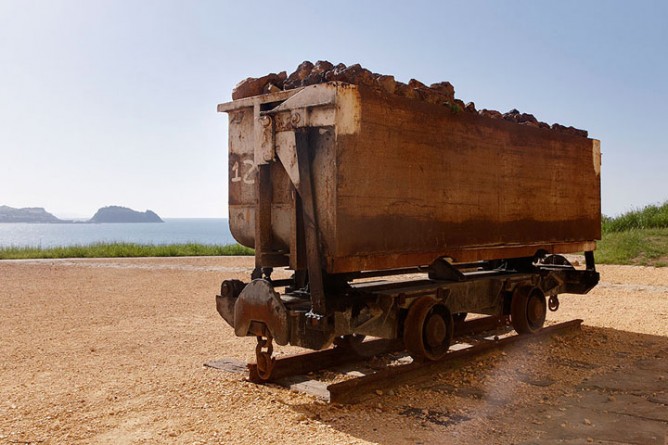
113, 102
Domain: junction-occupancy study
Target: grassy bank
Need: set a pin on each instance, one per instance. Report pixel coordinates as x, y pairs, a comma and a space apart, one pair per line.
636, 237
648, 217
118, 250
645, 247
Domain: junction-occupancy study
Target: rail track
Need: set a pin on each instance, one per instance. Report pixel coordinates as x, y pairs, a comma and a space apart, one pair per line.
471, 338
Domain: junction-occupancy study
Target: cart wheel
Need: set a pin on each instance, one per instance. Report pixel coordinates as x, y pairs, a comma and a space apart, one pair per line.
528, 309
428, 329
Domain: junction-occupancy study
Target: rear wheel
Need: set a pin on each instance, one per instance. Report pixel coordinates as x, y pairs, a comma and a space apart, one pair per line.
528, 309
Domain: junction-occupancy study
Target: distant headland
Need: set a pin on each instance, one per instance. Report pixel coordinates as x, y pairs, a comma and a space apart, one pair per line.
110, 214
27, 215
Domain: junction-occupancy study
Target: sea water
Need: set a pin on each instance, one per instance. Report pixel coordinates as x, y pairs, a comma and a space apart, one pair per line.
213, 231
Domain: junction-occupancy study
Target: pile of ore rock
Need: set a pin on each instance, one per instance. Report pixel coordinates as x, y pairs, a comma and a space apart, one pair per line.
441, 93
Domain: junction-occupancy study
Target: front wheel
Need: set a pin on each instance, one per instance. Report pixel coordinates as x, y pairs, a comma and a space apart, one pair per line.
428, 329
528, 309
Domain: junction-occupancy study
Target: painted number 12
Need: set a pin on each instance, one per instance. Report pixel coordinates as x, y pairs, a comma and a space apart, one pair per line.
238, 175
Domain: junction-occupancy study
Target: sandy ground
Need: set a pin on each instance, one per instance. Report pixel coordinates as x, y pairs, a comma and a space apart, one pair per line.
111, 352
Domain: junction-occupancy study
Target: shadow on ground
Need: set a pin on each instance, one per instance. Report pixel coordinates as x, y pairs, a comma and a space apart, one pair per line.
597, 385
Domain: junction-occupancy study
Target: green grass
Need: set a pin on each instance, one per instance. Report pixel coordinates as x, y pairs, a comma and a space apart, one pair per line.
118, 250
649, 217
636, 237
646, 247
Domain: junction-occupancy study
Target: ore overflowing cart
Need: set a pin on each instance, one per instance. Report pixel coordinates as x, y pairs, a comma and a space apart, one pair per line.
341, 175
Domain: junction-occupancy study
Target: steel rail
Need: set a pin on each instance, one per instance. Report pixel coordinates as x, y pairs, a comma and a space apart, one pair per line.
353, 390
299, 364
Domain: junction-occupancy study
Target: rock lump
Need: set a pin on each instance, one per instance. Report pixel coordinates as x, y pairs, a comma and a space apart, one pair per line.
441, 93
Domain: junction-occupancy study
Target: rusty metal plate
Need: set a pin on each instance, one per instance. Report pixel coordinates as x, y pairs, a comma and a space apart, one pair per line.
258, 302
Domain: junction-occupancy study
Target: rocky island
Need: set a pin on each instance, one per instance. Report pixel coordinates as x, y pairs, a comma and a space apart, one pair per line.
117, 214
27, 215
110, 214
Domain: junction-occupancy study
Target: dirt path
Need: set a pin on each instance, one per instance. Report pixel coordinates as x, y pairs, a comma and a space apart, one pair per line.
111, 351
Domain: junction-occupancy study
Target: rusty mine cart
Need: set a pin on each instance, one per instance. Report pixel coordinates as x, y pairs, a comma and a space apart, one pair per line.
345, 185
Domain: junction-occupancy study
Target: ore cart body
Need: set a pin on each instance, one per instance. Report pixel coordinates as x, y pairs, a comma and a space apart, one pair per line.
339, 182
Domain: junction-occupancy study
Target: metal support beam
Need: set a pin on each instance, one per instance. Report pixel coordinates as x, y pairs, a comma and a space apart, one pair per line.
263, 215
313, 254
589, 260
